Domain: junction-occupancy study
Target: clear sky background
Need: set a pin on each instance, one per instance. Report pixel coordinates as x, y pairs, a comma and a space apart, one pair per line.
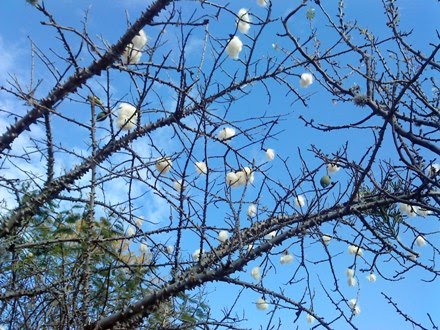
20, 22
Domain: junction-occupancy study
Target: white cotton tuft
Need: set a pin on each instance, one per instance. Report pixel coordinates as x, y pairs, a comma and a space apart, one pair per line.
262, 304
354, 306
353, 249
351, 281
252, 210
326, 239
423, 212
352, 302
240, 178
300, 201
356, 310
246, 175
131, 231
201, 168
139, 222
271, 235
243, 27
409, 210
196, 254
140, 40
306, 80
371, 278
286, 258
234, 47
131, 55
349, 272
133, 52
223, 235
226, 133
243, 21
144, 248
332, 168
310, 318
232, 180
170, 249
127, 116
262, 3
420, 241
178, 185
412, 256
433, 170
255, 273
163, 165
270, 154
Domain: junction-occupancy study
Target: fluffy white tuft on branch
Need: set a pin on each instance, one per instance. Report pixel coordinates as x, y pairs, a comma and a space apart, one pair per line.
201, 168
234, 47
262, 3
306, 80
226, 133
127, 116
270, 154
223, 235
243, 21
163, 165
262, 304
252, 210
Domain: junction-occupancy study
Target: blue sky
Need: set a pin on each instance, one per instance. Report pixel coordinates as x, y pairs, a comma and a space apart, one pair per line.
108, 19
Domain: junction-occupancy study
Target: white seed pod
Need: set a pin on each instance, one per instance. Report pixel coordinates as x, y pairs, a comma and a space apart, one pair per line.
270, 154
252, 210
163, 165
232, 180
127, 116
433, 170
255, 273
353, 249
170, 249
196, 254
263, 3
178, 185
306, 80
420, 241
248, 175
332, 168
286, 258
423, 212
271, 235
262, 304
349, 272
409, 210
351, 281
356, 310
131, 231
223, 235
300, 201
243, 27
310, 318
243, 21
139, 40
226, 133
372, 277
139, 222
326, 239
234, 47
131, 55
201, 168
144, 248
